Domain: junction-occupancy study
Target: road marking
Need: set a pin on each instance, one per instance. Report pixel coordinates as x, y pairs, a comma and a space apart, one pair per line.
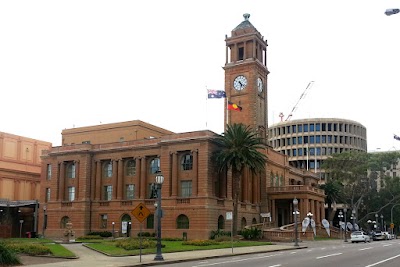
330, 255
387, 245
277, 265
238, 260
294, 252
379, 262
365, 248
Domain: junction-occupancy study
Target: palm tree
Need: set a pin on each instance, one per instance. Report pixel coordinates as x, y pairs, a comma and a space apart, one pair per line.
333, 194
240, 149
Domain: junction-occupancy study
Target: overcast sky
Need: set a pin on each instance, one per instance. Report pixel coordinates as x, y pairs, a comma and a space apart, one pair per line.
66, 64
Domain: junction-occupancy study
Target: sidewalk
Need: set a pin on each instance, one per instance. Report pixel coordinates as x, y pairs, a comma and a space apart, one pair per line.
89, 257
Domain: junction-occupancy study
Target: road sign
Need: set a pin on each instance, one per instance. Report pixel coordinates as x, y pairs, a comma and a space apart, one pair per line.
392, 225
141, 212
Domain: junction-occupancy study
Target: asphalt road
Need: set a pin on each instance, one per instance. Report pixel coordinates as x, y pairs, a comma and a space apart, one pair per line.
378, 253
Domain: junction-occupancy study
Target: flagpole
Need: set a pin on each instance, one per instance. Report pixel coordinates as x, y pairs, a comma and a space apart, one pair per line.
227, 112
307, 156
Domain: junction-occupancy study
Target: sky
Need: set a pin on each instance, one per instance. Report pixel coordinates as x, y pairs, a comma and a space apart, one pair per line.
66, 64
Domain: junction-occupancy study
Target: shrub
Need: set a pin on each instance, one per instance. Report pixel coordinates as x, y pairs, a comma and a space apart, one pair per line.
200, 242
102, 234
89, 237
131, 244
251, 233
8, 256
219, 233
31, 249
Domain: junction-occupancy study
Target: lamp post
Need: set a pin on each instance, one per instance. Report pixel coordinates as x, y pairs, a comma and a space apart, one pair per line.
295, 213
340, 216
113, 224
44, 219
159, 182
345, 224
381, 222
129, 228
353, 218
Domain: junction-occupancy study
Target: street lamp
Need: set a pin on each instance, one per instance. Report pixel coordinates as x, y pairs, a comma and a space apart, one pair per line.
345, 224
391, 11
130, 227
295, 213
159, 182
113, 224
340, 216
353, 218
381, 222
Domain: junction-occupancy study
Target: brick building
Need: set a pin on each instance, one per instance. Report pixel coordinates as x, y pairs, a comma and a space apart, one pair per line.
20, 170
101, 173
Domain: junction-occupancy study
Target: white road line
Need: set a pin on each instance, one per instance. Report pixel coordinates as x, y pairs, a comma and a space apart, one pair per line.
277, 265
330, 255
365, 248
293, 252
237, 260
379, 262
387, 245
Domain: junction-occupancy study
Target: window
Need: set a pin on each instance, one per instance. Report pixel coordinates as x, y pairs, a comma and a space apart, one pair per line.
187, 162
294, 129
318, 151
150, 222
186, 188
240, 53
47, 197
317, 127
312, 139
300, 152
107, 169
154, 165
221, 222
294, 152
323, 127
103, 221
182, 222
130, 167
311, 127
48, 171
329, 139
71, 193
323, 139
130, 191
63, 222
288, 141
317, 139
312, 151
152, 190
300, 140
305, 139
300, 128
305, 128
71, 170
107, 192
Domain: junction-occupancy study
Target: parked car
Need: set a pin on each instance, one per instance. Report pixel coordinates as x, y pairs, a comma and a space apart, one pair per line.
359, 236
387, 235
378, 235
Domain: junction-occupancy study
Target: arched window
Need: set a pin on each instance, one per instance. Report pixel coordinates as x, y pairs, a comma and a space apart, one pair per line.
154, 165
182, 222
130, 167
187, 162
107, 169
254, 221
64, 221
70, 168
221, 222
243, 223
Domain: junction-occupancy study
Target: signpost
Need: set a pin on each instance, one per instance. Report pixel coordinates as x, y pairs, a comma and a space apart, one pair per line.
141, 212
229, 217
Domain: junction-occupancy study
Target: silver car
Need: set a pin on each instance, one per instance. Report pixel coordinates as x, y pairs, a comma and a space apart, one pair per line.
359, 236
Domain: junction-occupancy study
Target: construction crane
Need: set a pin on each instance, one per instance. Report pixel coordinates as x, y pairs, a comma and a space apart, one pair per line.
310, 84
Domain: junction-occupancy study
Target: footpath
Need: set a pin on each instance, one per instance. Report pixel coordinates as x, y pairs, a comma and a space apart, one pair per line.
88, 257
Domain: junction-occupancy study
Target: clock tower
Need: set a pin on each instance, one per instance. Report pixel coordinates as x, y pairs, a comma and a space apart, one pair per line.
246, 77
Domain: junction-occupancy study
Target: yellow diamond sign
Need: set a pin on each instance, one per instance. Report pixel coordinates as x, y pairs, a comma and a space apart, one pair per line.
141, 212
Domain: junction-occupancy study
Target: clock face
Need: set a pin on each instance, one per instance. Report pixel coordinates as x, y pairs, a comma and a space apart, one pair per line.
259, 85
240, 82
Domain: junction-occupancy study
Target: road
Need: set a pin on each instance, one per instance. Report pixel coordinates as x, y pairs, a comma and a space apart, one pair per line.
378, 253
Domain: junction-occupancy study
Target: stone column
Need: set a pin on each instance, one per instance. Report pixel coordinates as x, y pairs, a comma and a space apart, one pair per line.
62, 181
273, 213
77, 182
138, 175
143, 179
174, 180
114, 178
195, 173
98, 180
120, 180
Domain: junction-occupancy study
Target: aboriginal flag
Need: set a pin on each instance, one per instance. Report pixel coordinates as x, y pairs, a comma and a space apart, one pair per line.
233, 106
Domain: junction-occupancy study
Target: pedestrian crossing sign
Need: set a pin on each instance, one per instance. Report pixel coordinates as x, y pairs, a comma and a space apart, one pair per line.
141, 212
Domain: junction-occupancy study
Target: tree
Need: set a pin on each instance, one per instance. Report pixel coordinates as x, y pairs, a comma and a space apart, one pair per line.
240, 149
333, 192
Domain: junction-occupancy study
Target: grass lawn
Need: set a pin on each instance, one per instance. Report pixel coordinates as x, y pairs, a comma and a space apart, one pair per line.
109, 248
57, 250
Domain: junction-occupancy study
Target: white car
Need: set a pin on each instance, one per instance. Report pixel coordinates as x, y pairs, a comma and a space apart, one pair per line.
359, 236
387, 235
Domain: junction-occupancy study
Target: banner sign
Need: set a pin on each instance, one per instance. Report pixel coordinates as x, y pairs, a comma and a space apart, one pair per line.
325, 223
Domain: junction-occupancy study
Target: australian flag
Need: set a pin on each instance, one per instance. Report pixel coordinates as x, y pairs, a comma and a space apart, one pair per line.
396, 137
216, 93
